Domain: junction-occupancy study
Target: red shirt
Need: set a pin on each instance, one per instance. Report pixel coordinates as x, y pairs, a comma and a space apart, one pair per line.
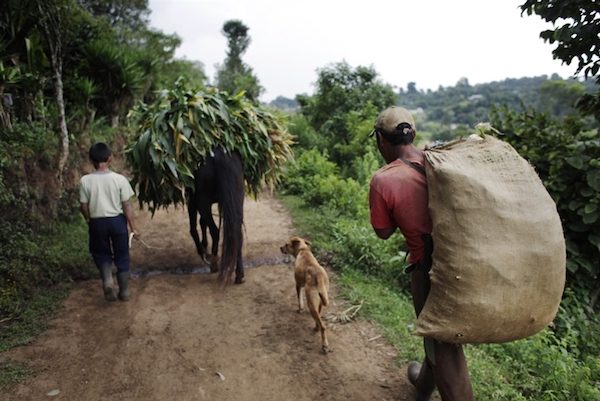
398, 198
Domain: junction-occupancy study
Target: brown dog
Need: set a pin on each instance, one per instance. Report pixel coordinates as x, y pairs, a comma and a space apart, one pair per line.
313, 277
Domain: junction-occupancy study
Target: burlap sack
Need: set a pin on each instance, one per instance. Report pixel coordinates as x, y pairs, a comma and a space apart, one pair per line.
499, 253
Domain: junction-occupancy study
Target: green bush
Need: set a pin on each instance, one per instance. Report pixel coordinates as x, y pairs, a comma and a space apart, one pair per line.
357, 247
542, 369
302, 172
31, 261
566, 155
36, 252
306, 136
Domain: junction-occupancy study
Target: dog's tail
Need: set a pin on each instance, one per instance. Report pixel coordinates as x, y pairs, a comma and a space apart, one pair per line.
322, 288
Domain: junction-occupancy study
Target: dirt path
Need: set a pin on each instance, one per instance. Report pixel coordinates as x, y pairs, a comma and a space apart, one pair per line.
178, 331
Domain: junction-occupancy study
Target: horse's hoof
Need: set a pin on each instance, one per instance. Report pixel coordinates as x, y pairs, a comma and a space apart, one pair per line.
239, 280
325, 350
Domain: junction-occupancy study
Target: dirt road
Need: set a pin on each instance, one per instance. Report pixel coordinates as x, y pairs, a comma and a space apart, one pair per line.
180, 338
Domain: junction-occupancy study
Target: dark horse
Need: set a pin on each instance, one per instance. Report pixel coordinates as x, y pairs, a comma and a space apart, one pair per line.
219, 179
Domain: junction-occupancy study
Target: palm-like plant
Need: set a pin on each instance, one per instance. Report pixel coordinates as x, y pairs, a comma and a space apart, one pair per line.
9, 76
117, 75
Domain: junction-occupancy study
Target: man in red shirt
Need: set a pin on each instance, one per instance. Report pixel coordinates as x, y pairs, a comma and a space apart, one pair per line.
398, 199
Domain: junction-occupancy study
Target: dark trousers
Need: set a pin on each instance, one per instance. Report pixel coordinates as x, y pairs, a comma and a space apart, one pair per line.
445, 363
109, 242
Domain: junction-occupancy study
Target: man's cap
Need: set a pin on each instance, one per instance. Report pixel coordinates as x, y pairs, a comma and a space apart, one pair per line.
390, 120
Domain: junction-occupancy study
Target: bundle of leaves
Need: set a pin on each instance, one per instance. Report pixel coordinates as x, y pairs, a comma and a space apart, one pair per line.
175, 133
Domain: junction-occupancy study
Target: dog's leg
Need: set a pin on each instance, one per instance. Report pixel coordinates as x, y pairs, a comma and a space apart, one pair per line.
312, 300
298, 293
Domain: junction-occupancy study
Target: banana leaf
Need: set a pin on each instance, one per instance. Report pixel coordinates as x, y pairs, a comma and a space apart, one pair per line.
174, 134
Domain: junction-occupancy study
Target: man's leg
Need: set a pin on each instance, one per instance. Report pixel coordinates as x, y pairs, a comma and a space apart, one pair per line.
451, 372
421, 375
445, 363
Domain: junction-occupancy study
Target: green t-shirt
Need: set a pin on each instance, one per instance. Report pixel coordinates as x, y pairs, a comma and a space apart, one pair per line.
105, 193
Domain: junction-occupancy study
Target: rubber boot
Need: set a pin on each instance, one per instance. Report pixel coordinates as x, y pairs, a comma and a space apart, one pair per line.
107, 283
123, 279
422, 379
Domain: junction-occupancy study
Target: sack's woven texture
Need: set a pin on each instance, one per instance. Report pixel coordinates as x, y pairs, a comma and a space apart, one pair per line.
499, 256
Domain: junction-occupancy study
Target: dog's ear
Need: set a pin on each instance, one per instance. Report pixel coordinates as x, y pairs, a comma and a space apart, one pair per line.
295, 242
307, 243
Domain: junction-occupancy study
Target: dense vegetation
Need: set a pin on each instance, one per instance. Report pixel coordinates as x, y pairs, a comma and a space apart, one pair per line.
71, 71
549, 121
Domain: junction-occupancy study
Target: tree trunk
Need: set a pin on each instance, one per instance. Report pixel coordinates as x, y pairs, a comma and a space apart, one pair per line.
4, 115
52, 22
114, 120
114, 114
62, 122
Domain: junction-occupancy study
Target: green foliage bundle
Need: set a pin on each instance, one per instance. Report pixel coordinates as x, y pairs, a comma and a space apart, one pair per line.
182, 127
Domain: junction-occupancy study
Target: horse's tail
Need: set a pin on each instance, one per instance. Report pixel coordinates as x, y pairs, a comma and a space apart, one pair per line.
230, 186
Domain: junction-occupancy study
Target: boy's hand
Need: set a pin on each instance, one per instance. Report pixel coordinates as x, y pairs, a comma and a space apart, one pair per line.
133, 234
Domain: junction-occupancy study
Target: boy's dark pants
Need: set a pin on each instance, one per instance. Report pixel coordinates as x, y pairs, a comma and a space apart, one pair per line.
109, 242
447, 366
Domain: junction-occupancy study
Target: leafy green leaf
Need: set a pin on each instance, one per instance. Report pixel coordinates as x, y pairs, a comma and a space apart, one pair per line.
593, 179
590, 218
594, 240
575, 161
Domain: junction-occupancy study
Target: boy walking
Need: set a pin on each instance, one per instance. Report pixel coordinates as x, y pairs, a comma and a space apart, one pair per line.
104, 196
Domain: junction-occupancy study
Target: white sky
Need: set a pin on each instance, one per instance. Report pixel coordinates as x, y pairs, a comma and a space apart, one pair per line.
429, 42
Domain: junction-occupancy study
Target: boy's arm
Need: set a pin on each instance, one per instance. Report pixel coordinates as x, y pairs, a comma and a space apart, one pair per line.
84, 208
128, 212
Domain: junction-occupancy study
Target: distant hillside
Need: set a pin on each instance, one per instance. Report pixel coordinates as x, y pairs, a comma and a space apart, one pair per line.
469, 104
284, 103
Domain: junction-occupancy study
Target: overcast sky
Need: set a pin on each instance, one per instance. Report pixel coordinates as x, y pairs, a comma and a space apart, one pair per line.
429, 42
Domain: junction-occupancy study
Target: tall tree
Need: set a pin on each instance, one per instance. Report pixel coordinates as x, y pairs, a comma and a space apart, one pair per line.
235, 75
54, 19
576, 38
344, 98
132, 14
341, 89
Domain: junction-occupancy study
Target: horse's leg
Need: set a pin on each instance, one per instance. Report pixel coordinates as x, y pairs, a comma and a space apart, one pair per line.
203, 225
193, 215
239, 268
207, 219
